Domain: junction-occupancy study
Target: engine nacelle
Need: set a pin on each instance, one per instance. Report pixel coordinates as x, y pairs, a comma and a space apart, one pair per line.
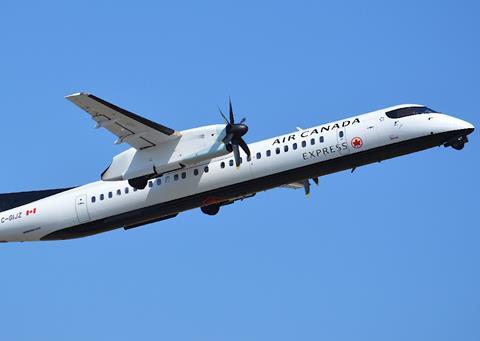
194, 146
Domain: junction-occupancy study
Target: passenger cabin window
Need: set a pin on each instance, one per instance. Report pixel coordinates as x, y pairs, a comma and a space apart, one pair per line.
249, 158
312, 142
150, 184
119, 192
340, 133
175, 177
110, 195
206, 169
269, 153
285, 148
159, 182
184, 175
102, 197
409, 111
222, 165
277, 151
230, 163
322, 139
294, 146
195, 172
126, 190
93, 199
259, 156
304, 144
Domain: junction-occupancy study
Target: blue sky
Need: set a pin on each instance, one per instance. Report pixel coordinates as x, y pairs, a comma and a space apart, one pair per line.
389, 252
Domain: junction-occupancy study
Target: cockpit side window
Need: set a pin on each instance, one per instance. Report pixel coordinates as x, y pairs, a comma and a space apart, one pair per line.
409, 111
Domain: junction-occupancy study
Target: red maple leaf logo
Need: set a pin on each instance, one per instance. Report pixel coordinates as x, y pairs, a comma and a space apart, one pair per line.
357, 142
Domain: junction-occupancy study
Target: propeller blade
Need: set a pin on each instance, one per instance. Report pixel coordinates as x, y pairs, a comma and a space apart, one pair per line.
315, 179
244, 147
221, 113
243, 120
232, 120
236, 155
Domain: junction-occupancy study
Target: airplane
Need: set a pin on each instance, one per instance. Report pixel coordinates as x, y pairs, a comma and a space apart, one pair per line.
166, 172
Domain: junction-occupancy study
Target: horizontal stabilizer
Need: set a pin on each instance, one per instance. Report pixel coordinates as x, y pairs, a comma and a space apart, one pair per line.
12, 200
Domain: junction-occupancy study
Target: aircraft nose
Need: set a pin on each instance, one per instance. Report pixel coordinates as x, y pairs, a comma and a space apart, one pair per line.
466, 126
470, 128
453, 123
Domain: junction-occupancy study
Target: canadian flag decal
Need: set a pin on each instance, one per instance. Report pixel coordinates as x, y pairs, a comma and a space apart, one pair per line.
32, 211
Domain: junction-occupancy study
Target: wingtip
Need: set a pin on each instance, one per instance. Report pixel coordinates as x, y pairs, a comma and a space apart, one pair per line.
77, 94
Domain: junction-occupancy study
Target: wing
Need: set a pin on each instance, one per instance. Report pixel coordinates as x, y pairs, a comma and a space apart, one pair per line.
294, 185
131, 128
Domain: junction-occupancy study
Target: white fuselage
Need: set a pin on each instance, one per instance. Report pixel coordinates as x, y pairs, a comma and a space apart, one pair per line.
329, 142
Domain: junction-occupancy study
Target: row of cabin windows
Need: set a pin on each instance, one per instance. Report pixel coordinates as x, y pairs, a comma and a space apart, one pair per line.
158, 181
268, 153
183, 175
231, 162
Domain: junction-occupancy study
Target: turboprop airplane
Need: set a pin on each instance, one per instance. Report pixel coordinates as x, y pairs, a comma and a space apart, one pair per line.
166, 171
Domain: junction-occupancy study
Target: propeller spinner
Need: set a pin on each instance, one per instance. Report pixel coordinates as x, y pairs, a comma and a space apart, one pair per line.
234, 135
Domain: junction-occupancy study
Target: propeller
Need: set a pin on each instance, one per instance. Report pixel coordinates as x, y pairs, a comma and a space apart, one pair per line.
234, 135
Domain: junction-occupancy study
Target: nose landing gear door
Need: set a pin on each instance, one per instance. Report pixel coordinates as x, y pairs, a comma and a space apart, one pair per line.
81, 208
342, 141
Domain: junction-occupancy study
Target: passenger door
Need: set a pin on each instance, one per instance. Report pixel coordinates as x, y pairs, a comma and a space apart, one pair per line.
82, 209
370, 127
342, 141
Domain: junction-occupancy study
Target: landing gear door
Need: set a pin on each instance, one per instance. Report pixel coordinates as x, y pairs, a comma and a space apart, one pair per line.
82, 209
342, 141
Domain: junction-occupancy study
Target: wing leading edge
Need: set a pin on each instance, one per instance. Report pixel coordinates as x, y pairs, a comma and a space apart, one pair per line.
137, 131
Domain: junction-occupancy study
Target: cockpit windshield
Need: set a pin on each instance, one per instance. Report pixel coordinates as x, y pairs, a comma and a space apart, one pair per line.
408, 111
